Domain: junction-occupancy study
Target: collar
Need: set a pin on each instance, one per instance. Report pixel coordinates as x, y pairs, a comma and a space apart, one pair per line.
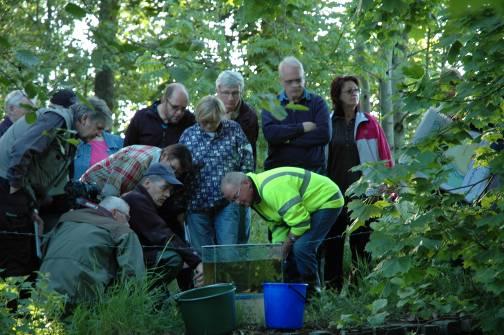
284, 99
143, 191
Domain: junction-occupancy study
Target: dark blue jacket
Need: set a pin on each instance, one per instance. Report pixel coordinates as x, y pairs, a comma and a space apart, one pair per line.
288, 144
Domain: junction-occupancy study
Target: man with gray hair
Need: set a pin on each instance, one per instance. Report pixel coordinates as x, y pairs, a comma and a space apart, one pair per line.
16, 104
162, 123
230, 86
301, 138
34, 167
90, 248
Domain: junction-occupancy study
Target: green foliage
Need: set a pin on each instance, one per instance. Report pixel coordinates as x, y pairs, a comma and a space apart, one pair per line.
38, 308
426, 239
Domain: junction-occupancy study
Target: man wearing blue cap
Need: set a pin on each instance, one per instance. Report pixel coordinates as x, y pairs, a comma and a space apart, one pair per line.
164, 251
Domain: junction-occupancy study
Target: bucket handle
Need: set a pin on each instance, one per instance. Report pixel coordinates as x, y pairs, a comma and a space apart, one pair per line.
299, 294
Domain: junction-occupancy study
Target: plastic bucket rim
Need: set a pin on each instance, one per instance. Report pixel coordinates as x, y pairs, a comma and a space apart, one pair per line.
232, 288
282, 284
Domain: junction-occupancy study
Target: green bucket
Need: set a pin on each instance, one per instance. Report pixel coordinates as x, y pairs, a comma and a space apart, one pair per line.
208, 310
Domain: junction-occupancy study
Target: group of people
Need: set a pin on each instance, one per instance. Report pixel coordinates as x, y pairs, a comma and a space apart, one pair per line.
182, 180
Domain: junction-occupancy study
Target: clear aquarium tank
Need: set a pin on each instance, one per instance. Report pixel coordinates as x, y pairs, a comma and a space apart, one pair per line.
248, 266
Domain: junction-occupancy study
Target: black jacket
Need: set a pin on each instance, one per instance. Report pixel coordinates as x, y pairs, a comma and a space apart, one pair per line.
153, 231
147, 128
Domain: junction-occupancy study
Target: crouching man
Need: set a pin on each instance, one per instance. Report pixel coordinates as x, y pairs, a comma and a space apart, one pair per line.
300, 207
89, 248
164, 251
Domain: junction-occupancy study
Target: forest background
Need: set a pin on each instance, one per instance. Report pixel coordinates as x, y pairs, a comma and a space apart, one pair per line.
127, 51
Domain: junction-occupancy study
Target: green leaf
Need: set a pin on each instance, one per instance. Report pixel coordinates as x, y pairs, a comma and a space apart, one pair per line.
4, 42
406, 292
27, 58
378, 305
297, 107
31, 117
73, 141
454, 51
414, 70
30, 89
391, 267
180, 74
76, 11
377, 319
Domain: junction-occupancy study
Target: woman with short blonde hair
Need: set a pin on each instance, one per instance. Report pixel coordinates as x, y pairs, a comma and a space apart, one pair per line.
218, 146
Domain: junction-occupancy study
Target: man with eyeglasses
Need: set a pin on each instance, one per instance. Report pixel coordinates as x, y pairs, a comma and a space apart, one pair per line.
299, 206
301, 138
229, 86
162, 123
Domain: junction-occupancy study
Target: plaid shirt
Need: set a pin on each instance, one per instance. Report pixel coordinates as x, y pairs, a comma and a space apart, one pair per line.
213, 157
122, 171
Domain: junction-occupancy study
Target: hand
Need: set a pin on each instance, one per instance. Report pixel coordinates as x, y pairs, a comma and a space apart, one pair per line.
181, 218
38, 220
13, 189
309, 126
198, 276
286, 248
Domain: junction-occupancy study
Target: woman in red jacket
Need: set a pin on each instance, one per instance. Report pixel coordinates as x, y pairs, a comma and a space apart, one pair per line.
356, 138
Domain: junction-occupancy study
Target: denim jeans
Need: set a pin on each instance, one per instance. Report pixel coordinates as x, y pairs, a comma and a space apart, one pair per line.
301, 264
223, 226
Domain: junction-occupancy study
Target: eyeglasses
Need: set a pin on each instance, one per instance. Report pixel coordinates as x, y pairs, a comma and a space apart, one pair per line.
352, 91
293, 81
236, 197
234, 94
176, 107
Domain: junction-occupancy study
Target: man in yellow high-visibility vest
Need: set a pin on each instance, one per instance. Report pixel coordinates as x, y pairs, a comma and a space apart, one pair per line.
300, 207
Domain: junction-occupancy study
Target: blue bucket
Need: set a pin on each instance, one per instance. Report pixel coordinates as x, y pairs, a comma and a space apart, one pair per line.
284, 305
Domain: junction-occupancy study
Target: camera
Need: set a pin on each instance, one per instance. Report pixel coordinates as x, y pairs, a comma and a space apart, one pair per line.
76, 189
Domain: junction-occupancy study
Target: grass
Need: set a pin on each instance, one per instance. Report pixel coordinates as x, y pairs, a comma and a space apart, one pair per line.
130, 307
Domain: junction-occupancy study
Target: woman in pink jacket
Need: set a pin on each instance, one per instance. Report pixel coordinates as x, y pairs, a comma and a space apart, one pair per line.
357, 138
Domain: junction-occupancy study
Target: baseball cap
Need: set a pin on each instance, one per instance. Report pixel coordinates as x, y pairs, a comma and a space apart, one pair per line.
158, 169
65, 97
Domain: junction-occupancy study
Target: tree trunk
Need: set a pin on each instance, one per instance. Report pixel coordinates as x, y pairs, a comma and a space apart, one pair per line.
104, 80
365, 101
398, 104
387, 117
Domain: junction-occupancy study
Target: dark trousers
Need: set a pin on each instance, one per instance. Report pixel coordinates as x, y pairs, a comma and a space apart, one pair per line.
333, 249
17, 241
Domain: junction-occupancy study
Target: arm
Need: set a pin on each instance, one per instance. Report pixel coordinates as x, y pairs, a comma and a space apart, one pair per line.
245, 152
129, 256
278, 132
124, 173
321, 135
31, 144
153, 230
